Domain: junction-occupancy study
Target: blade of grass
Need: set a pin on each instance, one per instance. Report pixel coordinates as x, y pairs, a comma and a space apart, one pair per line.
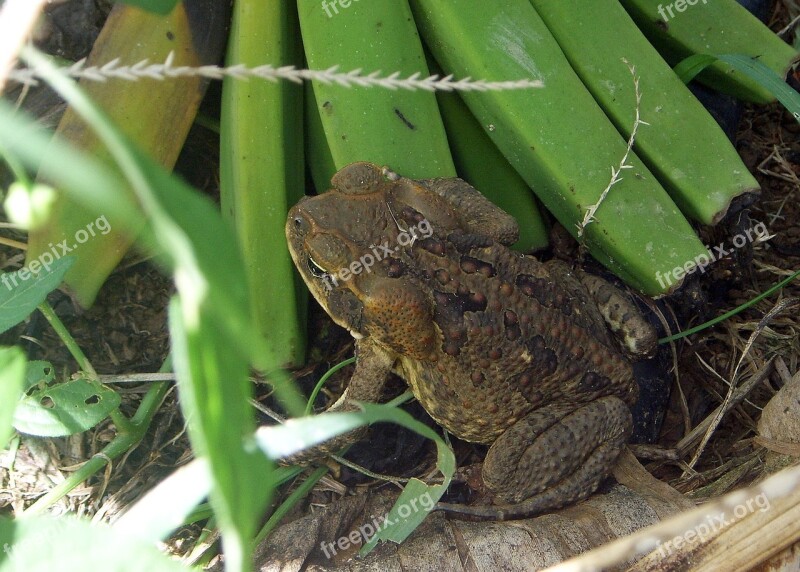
730, 314
751, 67
167, 505
12, 376
214, 390
211, 327
322, 380
301, 433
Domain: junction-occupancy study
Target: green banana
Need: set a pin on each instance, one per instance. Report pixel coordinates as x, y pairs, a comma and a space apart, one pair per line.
321, 166
261, 168
685, 27
682, 144
156, 115
557, 137
482, 165
401, 129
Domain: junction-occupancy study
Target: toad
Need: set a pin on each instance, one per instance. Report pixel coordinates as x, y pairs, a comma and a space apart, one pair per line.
498, 347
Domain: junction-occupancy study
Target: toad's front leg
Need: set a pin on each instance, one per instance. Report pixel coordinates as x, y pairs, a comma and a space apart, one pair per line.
373, 366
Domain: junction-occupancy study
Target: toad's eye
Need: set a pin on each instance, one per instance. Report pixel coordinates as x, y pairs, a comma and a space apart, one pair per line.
300, 224
315, 268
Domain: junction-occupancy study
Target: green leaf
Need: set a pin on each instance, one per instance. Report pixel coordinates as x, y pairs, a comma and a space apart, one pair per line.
416, 499
214, 389
751, 67
12, 376
64, 409
210, 322
156, 6
22, 291
38, 372
184, 226
166, 506
688, 69
44, 544
408, 512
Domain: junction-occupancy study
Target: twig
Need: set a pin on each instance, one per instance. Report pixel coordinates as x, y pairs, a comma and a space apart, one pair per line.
785, 304
789, 27
136, 377
740, 393
588, 217
144, 69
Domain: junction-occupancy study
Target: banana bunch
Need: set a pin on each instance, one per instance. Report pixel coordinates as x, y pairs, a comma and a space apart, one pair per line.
563, 140
558, 138
683, 145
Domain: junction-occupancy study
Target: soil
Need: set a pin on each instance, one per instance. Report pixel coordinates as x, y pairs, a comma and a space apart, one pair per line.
125, 332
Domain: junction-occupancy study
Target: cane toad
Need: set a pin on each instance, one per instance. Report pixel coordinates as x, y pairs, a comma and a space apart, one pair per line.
498, 347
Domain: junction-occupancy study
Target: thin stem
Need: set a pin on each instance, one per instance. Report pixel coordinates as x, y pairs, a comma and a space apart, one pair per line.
68, 340
733, 312
322, 380
282, 510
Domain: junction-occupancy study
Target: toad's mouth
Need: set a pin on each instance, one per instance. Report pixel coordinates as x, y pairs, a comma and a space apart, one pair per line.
316, 270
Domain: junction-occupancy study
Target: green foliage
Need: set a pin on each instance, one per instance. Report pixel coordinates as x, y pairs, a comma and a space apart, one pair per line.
12, 378
22, 291
168, 505
44, 544
262, 168
298, 434
38, 372
214, 338
761, 74
64, 409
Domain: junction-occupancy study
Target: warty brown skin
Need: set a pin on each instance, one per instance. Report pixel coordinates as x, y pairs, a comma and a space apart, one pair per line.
498, 347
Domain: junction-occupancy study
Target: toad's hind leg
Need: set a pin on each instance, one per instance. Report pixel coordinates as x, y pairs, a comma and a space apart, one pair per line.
552, 457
